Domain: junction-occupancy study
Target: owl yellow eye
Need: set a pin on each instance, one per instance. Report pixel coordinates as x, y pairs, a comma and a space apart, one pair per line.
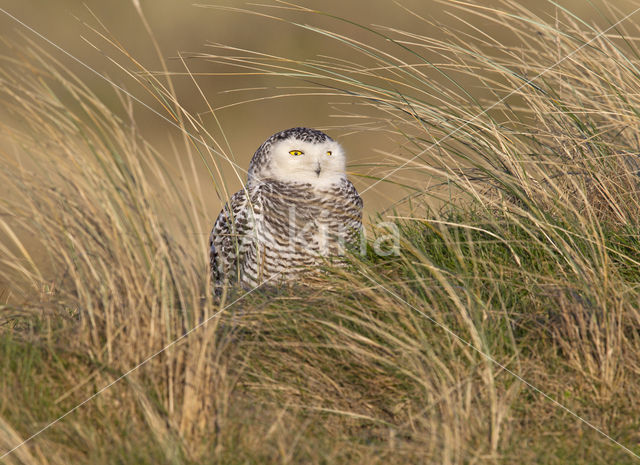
295, 152
329, 152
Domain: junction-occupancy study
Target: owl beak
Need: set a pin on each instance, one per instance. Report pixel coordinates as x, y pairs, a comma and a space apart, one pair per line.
318, 169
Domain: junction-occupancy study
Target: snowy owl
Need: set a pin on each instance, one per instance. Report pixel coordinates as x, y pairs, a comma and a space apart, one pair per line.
297, 208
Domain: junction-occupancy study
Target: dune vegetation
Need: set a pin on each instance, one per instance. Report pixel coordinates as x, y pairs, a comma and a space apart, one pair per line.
503, 326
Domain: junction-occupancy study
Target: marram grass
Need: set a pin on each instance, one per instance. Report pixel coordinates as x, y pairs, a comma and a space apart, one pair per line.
519, 235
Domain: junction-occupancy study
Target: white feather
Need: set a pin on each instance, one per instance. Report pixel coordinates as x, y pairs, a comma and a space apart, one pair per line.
304, 168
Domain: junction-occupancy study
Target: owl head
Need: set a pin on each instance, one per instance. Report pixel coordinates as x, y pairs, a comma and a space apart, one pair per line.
299, 155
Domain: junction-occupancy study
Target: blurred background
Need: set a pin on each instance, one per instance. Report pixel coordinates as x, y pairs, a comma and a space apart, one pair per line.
247, 110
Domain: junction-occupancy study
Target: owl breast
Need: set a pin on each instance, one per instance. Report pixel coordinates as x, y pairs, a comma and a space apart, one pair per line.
297, 227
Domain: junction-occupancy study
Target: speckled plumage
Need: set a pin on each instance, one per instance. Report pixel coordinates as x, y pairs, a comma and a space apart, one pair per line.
293, 211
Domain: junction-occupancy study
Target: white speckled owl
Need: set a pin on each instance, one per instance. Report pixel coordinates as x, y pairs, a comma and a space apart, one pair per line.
297, 208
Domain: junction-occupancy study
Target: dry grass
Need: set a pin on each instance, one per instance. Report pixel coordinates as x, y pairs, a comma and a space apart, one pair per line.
519, 244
